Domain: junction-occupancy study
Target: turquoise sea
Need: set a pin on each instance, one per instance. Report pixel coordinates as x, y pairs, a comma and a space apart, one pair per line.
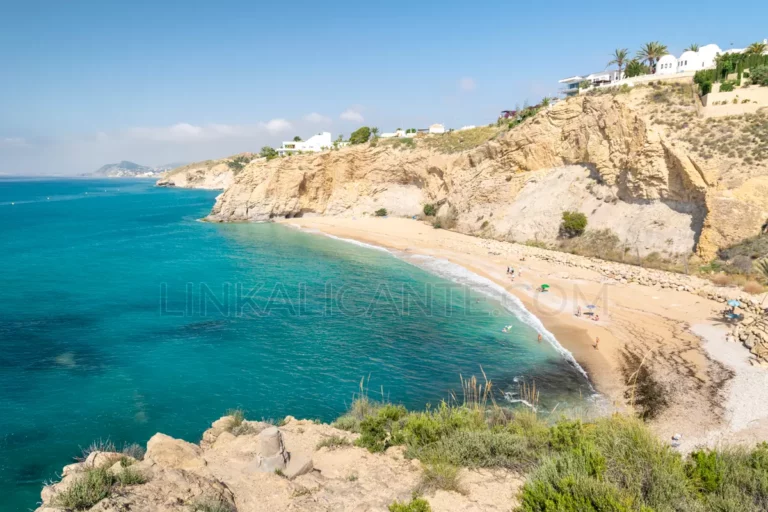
121, 315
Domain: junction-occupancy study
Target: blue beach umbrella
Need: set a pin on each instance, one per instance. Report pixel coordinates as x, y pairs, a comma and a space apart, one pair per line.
734, 303
591, 306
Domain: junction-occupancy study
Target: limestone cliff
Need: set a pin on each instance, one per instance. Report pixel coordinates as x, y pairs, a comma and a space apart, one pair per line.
210, 174
257, 467
599, 155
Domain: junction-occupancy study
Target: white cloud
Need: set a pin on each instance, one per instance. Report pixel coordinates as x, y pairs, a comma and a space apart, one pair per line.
352, 114
277, 125
316, 118
467, 84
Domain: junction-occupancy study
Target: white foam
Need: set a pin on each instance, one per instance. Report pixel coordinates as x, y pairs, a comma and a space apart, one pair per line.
461, 275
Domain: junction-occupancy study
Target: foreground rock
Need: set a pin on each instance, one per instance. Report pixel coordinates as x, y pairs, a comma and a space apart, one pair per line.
267, 468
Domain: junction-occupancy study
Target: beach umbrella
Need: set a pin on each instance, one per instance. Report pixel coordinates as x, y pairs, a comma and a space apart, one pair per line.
544, 286
734, 303
591, 306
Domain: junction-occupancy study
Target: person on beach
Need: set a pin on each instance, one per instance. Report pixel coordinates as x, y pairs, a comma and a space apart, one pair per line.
597, 342
578, 311
539, 337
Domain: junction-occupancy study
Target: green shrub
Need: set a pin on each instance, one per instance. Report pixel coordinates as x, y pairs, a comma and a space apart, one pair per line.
88, 489
238, 163
573, 224
562, 485
381, 212
759, 75
727, 86
415, 505
430, 210
268, 152
360, 136
440, 475
130, 476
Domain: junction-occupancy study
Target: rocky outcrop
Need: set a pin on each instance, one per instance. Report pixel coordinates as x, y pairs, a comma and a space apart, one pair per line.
595, 154
258, 467
210, 174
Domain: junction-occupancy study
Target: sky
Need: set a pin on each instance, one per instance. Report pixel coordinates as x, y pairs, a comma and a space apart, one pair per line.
85, 83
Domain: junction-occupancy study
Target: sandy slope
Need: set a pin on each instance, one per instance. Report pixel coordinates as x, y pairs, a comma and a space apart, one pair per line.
651, 324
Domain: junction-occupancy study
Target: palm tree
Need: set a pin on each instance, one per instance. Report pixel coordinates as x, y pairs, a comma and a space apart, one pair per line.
756, 49
619, 58
635, 68
651, 53
694, 47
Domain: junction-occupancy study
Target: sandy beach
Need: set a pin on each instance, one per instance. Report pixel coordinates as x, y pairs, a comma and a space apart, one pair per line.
690, 381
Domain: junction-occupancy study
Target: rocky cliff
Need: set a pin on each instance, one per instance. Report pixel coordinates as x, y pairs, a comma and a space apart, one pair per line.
250, 466
600, 155
210, 174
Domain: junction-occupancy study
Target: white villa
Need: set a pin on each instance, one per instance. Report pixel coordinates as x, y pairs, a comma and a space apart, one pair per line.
314, 144
436, 128
412, 132
397, 133
601, 77
689, 62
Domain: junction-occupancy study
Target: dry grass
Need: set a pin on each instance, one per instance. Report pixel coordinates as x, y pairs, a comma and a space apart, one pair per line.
453, 142
753, 287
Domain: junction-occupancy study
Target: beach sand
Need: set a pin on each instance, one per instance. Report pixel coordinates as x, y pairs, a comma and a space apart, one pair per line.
701, 376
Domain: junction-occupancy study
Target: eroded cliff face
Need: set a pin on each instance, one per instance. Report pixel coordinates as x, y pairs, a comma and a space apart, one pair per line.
593, 154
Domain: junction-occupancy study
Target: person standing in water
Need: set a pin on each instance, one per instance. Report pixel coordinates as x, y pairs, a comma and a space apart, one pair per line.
539, 337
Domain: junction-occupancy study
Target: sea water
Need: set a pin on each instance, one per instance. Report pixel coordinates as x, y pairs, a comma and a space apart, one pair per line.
123, 315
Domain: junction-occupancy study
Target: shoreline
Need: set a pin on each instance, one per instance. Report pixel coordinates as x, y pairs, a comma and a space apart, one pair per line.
639, 326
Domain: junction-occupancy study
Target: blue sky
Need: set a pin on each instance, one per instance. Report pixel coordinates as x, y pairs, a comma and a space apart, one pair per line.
87, 83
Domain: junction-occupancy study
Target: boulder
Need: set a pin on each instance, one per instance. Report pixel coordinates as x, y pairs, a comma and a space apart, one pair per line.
298, 465
174, 453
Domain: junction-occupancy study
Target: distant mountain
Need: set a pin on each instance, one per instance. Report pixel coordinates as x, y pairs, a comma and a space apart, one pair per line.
127, 169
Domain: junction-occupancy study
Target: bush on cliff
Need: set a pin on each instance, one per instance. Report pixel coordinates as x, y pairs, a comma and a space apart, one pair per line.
360, 136
573, 224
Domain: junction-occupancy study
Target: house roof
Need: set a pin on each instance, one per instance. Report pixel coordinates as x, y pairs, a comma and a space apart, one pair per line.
571, 79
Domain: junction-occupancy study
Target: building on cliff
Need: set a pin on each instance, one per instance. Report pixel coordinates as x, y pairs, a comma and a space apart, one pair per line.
314, 144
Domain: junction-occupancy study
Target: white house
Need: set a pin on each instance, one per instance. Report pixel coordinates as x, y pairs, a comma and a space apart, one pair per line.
314, 144
707, 53
666, 65
397, 133
436, 128
606, 76
689, 61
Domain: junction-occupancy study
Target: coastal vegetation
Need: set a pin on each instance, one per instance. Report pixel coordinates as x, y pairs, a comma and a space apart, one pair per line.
268, 152
94, 485
571, 464
651, 53
361, 135
237, 163
381, 212
573, 224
